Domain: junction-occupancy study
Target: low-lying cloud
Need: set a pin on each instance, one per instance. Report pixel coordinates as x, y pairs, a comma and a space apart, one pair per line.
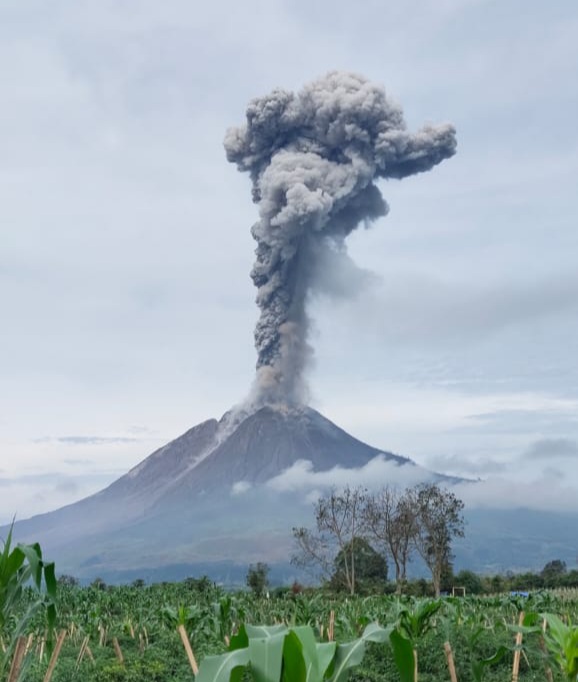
94, 440
378, 472
548, 448
29, 494
546, 493
240, 487
462, 465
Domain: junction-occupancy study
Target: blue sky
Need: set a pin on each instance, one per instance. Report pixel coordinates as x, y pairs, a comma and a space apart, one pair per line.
127, 308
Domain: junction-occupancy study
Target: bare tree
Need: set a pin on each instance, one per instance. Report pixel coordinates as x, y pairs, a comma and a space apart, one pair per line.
340, 520
391, 520
439, 520
314, 553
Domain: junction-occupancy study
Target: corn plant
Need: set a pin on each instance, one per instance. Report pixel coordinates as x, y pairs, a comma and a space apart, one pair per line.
562, 644
21, 566
412, 624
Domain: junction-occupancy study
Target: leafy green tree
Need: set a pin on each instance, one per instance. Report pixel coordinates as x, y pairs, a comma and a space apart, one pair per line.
98, 583
553, 571
257, 578
472, 582
497, 584
370, 567
570, 579
68, 580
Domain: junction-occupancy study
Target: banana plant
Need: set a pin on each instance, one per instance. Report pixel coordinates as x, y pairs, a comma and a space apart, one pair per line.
287, 654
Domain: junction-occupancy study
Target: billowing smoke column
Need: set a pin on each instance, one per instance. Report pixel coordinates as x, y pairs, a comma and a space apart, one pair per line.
313, 158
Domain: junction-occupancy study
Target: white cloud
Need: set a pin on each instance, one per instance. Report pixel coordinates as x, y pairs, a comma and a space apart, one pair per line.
464, 465
378, 472
548, 493
240, 487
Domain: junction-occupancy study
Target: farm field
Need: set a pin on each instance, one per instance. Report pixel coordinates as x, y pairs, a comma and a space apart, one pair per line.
131, 633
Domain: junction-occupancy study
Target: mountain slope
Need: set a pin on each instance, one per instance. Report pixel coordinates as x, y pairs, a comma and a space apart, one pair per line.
175, 485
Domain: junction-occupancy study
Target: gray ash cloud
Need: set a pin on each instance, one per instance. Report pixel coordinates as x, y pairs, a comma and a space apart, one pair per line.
313, 158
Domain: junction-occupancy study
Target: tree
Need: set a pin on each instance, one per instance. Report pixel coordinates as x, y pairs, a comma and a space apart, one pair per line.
439, 519
497, 584
98, 583
68, 580
391, 519
370, 567
470, 581
339, 519
553, 571
257, 578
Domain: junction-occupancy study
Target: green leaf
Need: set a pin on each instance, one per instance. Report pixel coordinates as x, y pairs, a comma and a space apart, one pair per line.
309, 652
346, 657
266, 657
478, 667
562, 642
325, 656
425, 613
402, 655
294, 668
223, 668
33, 555
557, 629
375, 633
264, 631
50, 580
240, 640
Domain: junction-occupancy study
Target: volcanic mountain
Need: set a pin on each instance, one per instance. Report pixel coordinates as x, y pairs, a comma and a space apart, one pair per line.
204, 496
227, 493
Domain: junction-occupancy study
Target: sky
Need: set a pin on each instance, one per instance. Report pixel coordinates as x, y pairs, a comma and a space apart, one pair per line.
127, 311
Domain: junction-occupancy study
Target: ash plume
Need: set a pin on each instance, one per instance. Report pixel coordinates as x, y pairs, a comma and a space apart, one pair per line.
313, 158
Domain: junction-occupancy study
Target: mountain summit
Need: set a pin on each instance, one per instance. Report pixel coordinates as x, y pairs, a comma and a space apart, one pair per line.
251, 449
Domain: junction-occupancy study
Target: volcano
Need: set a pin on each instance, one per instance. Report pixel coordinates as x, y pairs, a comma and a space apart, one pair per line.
210, 494
228, 492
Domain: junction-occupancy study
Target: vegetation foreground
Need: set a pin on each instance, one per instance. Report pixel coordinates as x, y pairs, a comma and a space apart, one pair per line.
160, 632
54, 630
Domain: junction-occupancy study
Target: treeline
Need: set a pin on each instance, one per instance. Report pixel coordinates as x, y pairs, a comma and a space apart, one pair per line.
357, 533
371, 581
554, 575
363, 541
